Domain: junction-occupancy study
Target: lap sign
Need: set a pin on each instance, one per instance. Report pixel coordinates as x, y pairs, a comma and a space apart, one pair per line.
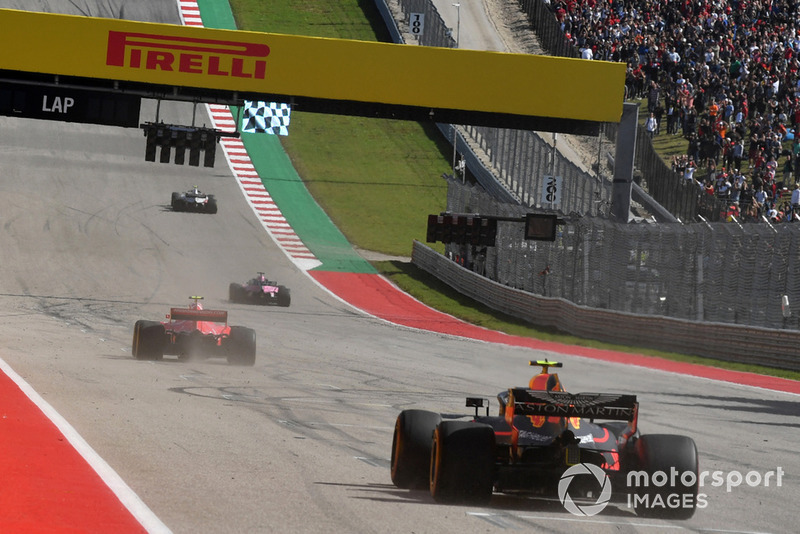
57, 104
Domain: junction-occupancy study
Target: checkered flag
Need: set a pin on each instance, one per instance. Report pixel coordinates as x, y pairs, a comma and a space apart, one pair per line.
266, 117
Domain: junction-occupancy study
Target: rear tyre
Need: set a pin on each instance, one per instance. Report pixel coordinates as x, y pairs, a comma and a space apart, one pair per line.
176, 202
411, 448
284, 296
667, 454
462, 463
242, 346
234, 292
212, 206
149, 338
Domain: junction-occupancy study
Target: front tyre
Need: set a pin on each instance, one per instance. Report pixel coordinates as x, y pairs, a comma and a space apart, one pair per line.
241, 346
411, 448
462, 463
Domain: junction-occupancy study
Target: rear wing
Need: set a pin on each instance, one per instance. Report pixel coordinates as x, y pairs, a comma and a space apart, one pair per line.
534, 402
611, 406
188, 314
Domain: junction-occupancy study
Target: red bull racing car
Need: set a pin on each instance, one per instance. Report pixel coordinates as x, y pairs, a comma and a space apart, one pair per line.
533, 445
260, 290
194, 200
194, 332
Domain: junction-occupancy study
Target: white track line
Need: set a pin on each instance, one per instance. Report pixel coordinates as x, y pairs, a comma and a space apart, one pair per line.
124, 493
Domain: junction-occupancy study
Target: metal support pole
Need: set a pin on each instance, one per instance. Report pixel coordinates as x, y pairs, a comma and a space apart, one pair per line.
455, 130
623, 163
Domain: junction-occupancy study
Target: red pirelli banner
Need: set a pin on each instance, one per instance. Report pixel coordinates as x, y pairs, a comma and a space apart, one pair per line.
337, 69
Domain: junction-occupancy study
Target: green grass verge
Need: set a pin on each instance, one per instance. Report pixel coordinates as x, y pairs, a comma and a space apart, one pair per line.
379, 179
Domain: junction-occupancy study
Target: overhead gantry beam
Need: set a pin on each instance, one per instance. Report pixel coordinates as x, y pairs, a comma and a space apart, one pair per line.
314, 74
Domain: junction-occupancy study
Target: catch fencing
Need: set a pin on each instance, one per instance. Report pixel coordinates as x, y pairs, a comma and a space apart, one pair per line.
436, 32
735, 343
520, 161
734, 283
715, 272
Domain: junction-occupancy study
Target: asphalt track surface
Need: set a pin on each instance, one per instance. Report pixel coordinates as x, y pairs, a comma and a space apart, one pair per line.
94, 441
472, 27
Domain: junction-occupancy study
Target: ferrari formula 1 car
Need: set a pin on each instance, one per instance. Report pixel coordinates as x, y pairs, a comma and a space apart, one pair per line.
540, 433
194, 200
194, 332
259, 290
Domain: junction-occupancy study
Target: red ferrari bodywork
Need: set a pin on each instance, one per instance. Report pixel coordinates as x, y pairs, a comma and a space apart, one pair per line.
207, 322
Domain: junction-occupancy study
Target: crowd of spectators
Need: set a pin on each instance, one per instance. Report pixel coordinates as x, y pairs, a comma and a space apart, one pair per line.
725, 75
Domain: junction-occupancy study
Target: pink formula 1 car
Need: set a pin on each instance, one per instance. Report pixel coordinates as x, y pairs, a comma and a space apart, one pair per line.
260, 290
194, 332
